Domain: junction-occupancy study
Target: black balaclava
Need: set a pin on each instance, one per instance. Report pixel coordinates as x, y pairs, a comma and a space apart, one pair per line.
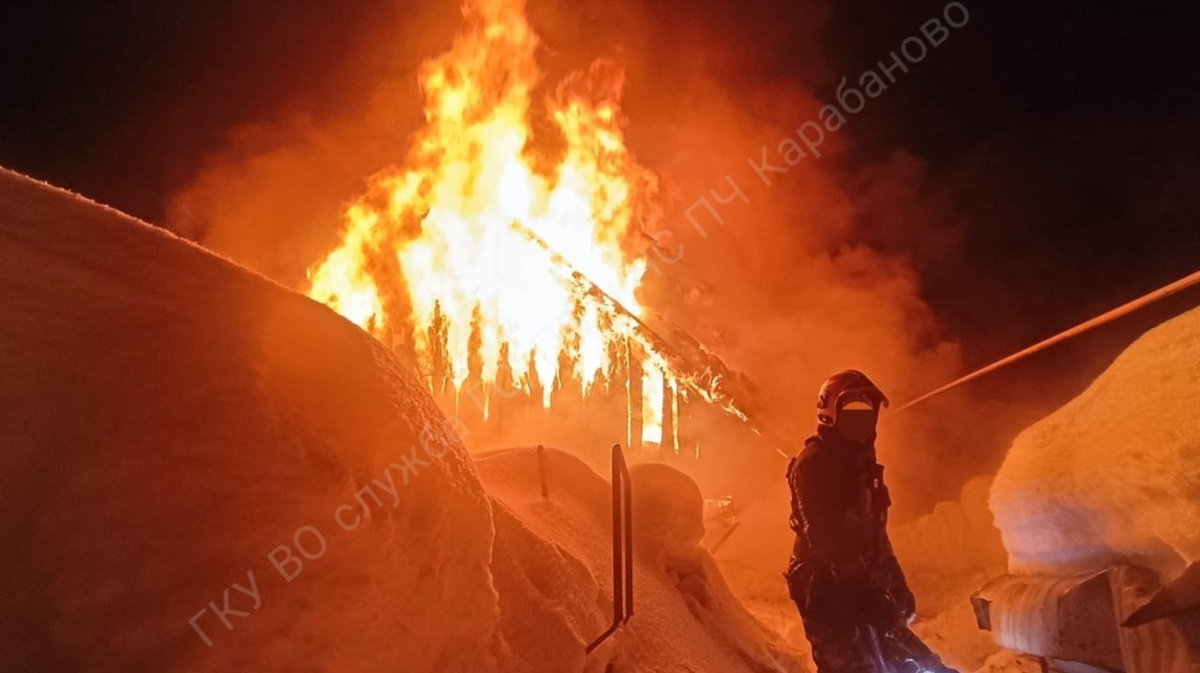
856, 422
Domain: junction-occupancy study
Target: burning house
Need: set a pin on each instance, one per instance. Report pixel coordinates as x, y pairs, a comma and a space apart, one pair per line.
505, 255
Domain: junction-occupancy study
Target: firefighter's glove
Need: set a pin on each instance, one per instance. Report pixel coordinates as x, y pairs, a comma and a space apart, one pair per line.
890, 577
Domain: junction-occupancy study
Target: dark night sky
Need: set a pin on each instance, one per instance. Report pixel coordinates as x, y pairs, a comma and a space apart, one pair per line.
1065, 131
1068, 132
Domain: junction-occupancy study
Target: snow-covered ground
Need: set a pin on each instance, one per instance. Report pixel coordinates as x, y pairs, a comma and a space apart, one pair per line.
686, 617
204, 471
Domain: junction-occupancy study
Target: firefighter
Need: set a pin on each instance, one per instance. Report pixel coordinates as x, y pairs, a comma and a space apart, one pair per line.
843, 575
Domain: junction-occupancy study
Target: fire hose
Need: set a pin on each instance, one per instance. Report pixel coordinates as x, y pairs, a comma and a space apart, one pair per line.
1119, 312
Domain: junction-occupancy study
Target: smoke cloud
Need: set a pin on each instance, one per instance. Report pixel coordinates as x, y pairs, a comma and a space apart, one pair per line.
816, 272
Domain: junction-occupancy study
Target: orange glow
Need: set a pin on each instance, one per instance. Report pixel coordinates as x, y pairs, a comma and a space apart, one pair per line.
487, 236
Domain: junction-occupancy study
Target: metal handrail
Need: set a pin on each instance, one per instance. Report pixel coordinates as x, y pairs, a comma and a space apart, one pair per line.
622, 514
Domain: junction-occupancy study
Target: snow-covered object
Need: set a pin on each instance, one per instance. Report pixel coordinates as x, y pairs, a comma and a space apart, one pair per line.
1090, 618
957, 538
1115, 474
669, 522
686, 619
203, 471
171, 421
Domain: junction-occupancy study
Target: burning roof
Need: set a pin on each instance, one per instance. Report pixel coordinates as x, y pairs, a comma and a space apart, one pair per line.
504, 250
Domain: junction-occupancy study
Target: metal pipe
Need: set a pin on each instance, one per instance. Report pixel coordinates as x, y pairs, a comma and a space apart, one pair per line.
622, 521
627, 498
1119, 312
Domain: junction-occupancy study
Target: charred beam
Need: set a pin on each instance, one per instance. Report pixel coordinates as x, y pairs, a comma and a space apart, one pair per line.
696, 367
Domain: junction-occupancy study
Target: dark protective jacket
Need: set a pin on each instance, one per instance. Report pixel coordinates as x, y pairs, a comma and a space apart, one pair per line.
839, 514
839, 501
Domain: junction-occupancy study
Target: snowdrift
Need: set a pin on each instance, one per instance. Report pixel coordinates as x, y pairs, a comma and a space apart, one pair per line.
1115, 474
206, 472
686, 618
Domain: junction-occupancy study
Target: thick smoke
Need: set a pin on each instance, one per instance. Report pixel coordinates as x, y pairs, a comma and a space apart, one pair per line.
816, 272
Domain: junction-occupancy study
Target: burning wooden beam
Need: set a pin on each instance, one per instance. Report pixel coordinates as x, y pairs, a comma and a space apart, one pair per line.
694, 365
668, 446
633, 359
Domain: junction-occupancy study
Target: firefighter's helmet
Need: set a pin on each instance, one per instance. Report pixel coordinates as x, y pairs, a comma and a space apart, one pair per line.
843, 388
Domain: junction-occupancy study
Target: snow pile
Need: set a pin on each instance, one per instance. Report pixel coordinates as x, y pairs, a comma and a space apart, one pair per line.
172, 420
670, 518
206, 472
686, 618
957, 538
1114, 474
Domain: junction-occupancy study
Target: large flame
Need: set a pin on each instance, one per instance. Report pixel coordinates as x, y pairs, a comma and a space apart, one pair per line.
484, 234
